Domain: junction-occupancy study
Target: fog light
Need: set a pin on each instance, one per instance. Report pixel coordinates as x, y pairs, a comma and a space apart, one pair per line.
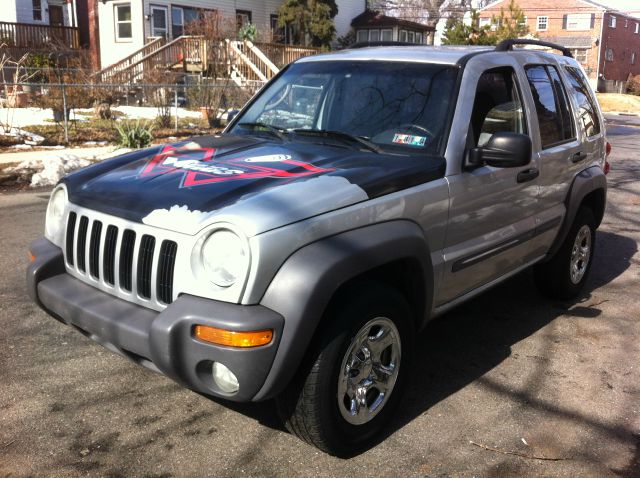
224, 378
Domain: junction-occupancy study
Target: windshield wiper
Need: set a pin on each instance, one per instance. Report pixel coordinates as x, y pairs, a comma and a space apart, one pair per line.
270, 128
327, 133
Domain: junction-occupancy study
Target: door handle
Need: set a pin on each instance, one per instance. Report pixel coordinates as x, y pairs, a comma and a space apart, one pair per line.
576, 158
527, 175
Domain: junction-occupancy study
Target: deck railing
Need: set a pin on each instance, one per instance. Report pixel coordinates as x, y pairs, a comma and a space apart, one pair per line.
25, 35
116, 69
282, 55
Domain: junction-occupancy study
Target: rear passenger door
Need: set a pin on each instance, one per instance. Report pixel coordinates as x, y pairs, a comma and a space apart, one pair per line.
560, 151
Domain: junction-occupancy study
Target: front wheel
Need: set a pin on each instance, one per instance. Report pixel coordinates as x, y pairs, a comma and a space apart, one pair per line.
564, 275
355, 374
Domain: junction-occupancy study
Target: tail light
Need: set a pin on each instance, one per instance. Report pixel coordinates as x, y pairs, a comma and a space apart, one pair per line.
607, 166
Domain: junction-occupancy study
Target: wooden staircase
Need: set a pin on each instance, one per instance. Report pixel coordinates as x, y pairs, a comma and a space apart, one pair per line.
247, 65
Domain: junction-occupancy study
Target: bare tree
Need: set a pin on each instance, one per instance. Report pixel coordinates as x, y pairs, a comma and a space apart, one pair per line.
423, 11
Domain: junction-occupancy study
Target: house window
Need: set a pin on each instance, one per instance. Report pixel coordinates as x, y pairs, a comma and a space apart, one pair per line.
608, 54
277, 32
523, 23
579, 21
637, 27
485, 22
386, 35
374, 35
626, 23
181, 17
403, 35
580, 54
412, 37
37, 10
123, 21
542, 23
243, 17
362, 36
612, 21
633, 58
419, 38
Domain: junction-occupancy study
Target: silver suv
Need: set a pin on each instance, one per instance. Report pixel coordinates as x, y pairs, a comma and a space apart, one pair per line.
357, 196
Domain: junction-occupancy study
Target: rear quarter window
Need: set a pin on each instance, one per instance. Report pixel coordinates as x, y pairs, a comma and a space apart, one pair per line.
552, 106
587, 116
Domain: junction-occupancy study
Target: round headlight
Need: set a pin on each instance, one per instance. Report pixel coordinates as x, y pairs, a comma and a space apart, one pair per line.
224, 258
55, 216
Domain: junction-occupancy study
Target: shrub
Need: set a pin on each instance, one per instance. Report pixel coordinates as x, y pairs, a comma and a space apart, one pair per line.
633, 85
134, 134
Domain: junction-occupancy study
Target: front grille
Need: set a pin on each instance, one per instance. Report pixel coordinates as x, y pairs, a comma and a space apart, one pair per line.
118, 257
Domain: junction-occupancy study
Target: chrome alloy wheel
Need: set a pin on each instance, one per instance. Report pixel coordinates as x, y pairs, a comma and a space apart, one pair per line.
369, 371
580, 254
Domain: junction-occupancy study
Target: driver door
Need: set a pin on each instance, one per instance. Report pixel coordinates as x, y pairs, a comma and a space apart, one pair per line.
492, 211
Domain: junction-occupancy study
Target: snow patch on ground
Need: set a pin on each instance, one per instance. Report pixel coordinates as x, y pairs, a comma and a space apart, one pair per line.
47, 170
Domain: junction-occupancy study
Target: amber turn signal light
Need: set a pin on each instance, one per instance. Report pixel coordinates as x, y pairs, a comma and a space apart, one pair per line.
230, 338
32, 258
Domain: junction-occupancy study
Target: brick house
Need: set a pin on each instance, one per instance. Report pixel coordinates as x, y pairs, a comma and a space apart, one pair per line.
605, 41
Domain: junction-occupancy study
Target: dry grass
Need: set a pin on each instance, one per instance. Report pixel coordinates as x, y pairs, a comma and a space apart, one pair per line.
104, 130
610, 102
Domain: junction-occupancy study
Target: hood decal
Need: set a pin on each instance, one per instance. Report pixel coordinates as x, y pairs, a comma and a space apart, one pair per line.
199, 166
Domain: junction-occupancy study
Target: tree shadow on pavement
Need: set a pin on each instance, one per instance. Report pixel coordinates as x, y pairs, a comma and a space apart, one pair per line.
461, 346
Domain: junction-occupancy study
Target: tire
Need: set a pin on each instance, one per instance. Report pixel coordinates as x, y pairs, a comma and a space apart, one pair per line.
565, 274
320, 405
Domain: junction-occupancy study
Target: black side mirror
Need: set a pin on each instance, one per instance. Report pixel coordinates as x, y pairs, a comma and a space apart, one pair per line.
503, 150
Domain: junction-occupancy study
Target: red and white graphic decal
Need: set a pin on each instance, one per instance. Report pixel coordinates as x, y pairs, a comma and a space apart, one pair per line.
198, 168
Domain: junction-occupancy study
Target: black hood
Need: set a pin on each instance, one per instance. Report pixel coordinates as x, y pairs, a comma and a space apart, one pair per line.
210, 174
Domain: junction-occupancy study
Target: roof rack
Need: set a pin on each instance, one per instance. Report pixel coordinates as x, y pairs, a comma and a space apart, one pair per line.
507, 45
366, 44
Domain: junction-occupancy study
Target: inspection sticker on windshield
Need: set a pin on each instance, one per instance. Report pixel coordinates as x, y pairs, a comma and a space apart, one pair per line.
409, 139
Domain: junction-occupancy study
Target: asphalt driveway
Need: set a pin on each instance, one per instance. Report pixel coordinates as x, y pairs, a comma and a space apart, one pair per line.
509, 384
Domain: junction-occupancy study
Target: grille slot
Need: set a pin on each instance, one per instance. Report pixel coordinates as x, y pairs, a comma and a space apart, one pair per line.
82, 243
166, 265
126, 259
109, 259
94, 250
71, 234
145, 262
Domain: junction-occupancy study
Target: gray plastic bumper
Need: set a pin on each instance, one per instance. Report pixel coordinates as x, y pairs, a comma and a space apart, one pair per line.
162, 341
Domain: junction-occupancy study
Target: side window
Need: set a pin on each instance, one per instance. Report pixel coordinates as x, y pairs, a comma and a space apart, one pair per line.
587, 111
554, 116
497, 106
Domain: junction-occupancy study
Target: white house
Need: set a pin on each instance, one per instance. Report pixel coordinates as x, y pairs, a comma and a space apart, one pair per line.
125, 25
38, 12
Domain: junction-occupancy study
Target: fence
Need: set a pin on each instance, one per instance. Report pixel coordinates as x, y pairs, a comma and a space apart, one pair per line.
164, 102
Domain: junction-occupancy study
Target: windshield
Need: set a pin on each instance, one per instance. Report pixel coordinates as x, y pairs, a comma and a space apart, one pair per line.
399, 107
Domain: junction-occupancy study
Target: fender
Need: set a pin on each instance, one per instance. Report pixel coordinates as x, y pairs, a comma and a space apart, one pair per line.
585, 182
304, 285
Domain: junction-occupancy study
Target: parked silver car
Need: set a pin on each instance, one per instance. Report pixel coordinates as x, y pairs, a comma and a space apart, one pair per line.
357, 196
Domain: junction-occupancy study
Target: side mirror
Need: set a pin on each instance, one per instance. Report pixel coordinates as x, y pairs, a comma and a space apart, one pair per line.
503, 150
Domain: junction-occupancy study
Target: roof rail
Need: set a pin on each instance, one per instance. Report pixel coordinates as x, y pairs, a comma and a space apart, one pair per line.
365, 44
507, 45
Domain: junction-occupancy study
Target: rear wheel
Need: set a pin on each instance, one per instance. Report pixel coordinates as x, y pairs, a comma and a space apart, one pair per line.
354, 377
565, 274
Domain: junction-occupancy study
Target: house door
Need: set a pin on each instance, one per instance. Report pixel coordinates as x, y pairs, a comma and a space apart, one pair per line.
159, 22
55, 16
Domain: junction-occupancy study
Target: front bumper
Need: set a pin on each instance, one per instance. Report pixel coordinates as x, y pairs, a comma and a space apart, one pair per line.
161, 341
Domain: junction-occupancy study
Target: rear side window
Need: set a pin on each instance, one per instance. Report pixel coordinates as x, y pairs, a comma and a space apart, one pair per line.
587, 111
552, 107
